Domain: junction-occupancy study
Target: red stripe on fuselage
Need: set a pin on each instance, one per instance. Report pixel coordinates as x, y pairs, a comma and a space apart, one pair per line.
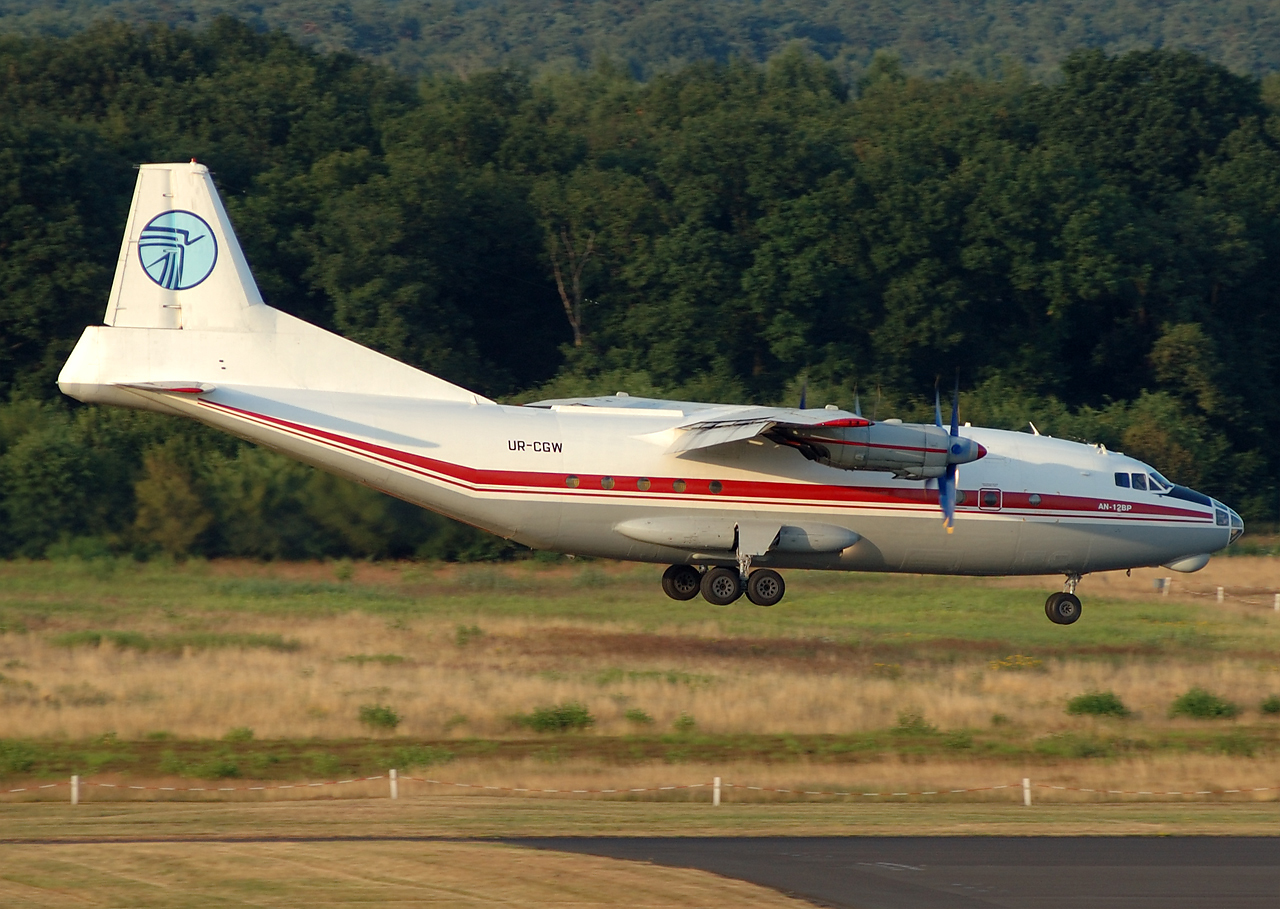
755, 492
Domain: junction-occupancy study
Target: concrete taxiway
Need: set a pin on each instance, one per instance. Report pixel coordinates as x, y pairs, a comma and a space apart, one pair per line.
972, 872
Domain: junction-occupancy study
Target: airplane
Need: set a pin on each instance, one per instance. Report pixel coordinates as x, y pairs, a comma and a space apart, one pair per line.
725, 495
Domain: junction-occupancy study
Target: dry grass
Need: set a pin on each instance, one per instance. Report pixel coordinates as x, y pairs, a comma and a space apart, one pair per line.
351, 874
441, 689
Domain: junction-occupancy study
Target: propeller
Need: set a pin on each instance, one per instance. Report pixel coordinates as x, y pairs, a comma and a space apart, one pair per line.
957, 448
804, 392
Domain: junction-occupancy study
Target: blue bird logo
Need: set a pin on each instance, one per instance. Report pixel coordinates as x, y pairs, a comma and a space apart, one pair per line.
177, 250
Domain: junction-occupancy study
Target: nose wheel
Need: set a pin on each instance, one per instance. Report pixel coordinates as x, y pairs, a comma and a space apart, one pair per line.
1062, 608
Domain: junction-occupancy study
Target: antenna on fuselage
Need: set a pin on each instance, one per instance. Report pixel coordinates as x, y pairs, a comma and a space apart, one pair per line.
1034, 431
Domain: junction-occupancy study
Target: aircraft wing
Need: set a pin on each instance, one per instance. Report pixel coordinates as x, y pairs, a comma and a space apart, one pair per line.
709, 425
707, 430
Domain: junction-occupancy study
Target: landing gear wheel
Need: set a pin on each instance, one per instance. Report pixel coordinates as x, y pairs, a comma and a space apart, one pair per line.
681, 582
765, 587
721, 586
1062, 608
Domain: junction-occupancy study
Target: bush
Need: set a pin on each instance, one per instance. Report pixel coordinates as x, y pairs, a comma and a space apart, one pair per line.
465, 634
239, 734
421, 756
1203, 705
379, 716
558, 718
639, 717
684, 723
1097, 703
914, 724
1271, 705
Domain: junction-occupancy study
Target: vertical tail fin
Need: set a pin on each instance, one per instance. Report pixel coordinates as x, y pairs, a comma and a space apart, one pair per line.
180, 264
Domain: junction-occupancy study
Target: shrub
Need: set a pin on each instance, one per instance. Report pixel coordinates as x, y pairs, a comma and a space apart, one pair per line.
914, 724
558, 718
239, 734
1203, 705
1271, 705
639, 717
684, 723
421, 756
379, 716
1016, 662
1097, 703
465, 634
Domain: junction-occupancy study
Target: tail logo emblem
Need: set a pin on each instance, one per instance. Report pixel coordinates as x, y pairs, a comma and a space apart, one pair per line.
177, 250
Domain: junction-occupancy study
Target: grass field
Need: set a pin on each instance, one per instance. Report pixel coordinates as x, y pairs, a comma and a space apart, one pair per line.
207, 671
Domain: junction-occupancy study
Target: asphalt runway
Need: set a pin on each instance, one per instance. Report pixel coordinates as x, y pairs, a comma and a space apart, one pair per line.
972, 872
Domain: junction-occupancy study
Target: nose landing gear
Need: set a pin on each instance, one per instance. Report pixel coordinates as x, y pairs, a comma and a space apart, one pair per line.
1064, 608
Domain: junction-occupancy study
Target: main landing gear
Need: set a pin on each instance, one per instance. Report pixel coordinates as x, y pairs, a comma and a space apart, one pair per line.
1064, 608
721, 586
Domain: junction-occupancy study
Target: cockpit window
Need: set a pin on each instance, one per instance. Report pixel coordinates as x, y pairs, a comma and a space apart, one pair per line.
1159, 482
1139, 481
1220, 518
1122, 480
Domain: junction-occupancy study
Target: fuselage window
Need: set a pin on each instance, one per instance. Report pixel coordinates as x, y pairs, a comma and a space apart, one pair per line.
679, 486
571, 482
643, 484
717, 486
1139, 481
606, 482
1122, 480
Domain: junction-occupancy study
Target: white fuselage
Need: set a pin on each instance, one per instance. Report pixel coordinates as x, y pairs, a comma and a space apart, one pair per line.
563, 479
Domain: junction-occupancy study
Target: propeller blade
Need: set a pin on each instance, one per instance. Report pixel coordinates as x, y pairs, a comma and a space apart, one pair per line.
937, 406
947, 497
857, 405
804, 392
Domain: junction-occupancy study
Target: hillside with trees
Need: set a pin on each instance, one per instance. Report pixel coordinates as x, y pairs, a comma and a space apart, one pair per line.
1095, 253
930, 37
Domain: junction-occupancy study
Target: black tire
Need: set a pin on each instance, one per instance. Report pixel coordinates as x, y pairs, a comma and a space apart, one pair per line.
765, 587
681, 582
721, 586
1063, 608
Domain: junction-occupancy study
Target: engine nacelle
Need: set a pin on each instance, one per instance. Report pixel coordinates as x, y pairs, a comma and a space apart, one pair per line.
914, 451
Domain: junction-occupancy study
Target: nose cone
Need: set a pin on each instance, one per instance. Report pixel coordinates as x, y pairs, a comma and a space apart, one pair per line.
1227, 517
1237, 526
963, 451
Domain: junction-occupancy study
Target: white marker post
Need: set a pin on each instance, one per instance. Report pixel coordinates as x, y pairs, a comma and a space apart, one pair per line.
395, 785
715, 793
75, 789
1276, 607
1026, 792
1221, 595
1168, 583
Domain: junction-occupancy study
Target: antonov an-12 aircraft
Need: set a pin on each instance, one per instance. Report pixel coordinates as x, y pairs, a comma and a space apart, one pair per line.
724, 494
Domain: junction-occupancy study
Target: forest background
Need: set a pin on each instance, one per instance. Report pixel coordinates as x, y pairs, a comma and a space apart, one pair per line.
1091, 238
